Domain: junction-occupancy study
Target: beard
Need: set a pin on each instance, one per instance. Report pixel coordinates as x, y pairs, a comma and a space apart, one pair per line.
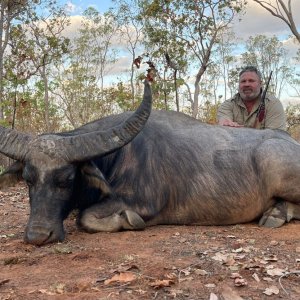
249, 94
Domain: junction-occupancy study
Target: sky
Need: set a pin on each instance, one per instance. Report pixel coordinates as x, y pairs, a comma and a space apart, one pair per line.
256, 21
78, 6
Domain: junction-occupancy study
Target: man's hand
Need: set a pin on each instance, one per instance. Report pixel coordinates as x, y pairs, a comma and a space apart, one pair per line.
229, 123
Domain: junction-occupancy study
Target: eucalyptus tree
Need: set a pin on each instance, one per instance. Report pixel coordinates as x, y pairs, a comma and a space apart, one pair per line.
293, 118
96, 43
80, 89
227, 60
269, 54
77, 93
295, 80
10, 11
217, 82
47, 44
194, 25
130, 29
36, 42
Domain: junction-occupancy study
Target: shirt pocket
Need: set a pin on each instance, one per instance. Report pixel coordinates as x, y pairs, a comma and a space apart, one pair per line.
238, 116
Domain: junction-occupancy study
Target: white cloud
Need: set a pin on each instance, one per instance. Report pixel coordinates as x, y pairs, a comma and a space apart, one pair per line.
122, 65
291, 45
70, 7
72, 30
258, 20
123, 62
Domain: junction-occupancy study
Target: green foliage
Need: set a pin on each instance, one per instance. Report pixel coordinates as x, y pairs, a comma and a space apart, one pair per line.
34, 43
268, 54
79, 85
123, 96
80, 97
292, 116
38, 42
188, 31
208, 112
293, 120
194, 35
93, 46
30, 111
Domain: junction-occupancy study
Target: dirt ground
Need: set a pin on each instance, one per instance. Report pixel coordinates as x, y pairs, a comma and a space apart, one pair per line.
162, 262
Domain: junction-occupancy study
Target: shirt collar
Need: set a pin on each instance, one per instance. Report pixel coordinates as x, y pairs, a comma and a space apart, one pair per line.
240, 102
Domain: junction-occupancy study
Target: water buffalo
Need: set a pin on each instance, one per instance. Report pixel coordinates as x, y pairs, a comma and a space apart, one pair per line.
127, 172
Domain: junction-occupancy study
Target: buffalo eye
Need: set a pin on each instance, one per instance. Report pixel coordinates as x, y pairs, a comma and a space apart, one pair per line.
64, 178
64, 184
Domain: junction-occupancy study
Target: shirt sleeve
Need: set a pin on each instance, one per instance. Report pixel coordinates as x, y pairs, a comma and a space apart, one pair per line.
225, 111
275, 115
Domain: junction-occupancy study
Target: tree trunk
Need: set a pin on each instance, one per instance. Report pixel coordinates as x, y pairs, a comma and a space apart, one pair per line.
132, 78
46, 97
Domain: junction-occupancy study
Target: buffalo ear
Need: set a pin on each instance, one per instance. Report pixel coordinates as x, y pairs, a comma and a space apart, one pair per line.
95, 178
11, 175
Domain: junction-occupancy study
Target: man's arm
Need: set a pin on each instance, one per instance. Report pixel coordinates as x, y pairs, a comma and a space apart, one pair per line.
225, 115
275, 115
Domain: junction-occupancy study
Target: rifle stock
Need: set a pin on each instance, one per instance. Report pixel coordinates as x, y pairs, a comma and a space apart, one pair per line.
261, 112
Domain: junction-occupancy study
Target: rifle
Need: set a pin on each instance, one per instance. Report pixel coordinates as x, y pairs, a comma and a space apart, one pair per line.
262, 107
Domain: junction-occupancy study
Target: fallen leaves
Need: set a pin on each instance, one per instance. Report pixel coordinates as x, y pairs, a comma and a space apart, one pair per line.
244, 256
243, 261
160, 263
256, 278
58, 288
62, 249
238, 279
126, 277
5, 236
210, 285
240, 282
275, 271
157, 284
272, 290
229, 294
4, 281
201, 272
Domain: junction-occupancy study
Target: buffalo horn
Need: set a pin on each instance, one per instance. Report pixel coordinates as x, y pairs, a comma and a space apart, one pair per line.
89, 145
14, 144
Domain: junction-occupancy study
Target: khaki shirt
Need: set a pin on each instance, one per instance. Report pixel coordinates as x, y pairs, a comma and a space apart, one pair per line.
235, 110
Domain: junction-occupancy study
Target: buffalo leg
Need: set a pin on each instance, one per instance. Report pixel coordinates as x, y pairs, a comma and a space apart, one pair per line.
125, 219
280, 213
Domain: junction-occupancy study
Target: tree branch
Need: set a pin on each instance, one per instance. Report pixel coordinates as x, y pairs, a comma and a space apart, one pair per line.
276, 12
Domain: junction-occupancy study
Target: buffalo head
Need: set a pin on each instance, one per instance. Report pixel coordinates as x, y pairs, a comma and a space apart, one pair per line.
53, 164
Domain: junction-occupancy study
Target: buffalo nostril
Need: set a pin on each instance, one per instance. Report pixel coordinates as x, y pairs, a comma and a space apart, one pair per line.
39, 235
40, 232
36, 238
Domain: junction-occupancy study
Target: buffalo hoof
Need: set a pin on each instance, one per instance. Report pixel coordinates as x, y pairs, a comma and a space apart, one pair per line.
133, 220
271, 222
125, 219
277, 215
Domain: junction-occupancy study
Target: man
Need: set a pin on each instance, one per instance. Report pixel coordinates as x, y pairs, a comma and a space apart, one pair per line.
241, 110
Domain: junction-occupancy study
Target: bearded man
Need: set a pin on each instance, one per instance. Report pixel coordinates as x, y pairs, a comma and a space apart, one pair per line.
242, 109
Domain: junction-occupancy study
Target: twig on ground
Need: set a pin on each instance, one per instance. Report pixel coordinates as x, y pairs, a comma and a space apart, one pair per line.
285, 275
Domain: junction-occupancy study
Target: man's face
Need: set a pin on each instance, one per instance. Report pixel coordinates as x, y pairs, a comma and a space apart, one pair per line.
249, 86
